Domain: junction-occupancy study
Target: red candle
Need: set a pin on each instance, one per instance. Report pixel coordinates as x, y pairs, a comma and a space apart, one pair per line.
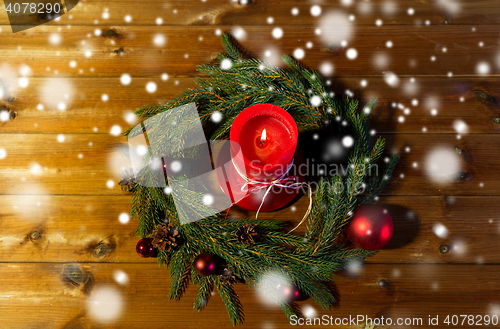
267, 136
263, 144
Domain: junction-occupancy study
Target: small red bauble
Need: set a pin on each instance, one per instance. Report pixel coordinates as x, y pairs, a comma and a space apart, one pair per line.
371, 227
205, 264
145, 248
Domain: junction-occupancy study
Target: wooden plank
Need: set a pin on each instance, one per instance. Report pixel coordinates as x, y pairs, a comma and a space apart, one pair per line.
84, 163
414, 291
221, 12
42, 228
472, 100
132, 50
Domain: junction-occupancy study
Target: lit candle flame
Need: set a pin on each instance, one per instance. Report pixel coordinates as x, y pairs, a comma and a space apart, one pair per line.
263, 137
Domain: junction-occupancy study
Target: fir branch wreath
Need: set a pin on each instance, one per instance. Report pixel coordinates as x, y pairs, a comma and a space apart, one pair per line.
248, 247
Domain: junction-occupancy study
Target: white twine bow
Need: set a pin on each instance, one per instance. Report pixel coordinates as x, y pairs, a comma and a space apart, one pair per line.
281, 182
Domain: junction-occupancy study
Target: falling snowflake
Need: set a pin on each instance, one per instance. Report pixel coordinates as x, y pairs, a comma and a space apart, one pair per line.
351, 53
55, 39
115, 130
159, 40
239, 33
23, 82
391, 79
315, 10
105, 304
483, 68
216, 117
277, 33
120, 277
208, 199
460, 126
124, 218
299, 53
176, 166
316, 101
226, 64
125, 79
389, 8
35, 168
348, 141
151, 87
335, 27
326, 68
441, 163
130, 117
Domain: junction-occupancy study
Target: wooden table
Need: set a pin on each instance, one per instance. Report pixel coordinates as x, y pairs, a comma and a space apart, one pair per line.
60, 235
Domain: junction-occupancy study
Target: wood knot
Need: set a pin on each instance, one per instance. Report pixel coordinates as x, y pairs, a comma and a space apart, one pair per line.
35, 235
458, 176
332, 47
119, 51
102, 250
496, 120
444, 249
483, 96
125, 150
111, 33
385, 286
99, 249
78, 277
383, 283
48, 16
73, 273
7, 114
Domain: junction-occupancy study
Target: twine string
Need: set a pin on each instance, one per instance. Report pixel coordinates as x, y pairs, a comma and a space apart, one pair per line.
281, 182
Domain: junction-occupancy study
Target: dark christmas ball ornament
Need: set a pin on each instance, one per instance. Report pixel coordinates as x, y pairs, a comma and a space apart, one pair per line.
205, 264
371, 227
145, 248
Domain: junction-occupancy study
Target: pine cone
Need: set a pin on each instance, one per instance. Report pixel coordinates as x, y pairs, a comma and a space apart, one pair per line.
228, 275
246, 234
128, 181
165, 237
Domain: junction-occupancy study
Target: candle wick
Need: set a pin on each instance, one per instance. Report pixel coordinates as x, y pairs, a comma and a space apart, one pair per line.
263, 137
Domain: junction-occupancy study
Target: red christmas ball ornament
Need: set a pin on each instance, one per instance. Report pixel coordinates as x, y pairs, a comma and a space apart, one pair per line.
205, 264
371, 227
289, 293
145, 248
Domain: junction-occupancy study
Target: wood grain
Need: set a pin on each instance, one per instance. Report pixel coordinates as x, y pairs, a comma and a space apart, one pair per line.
132, 50
42, 228
84, 163
410, 291
221, 12
60, 237
473, 100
